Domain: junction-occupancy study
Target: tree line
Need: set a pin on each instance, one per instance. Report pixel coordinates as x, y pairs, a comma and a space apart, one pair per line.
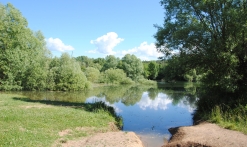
27, 64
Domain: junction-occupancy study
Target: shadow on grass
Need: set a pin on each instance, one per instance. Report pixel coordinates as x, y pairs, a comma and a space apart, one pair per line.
90, 107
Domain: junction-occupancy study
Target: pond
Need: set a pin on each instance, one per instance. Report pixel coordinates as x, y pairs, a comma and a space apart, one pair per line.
149, 111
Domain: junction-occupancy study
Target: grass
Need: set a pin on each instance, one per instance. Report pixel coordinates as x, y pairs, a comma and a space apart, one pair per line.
25, 122
231, 118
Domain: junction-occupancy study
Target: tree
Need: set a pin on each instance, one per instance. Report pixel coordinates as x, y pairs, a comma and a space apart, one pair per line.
110, 62
146, 73
23, 55
37, 71
67, 74
100, 61
114, 75
210, 36
174, 70
162, 64
92, 74
84, 62
153, 69
132, 66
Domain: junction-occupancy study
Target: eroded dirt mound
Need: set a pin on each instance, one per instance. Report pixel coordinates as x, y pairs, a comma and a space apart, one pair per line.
108, 139
95, 137
206, 135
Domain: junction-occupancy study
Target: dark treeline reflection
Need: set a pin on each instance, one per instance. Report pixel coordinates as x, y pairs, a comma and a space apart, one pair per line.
128, 95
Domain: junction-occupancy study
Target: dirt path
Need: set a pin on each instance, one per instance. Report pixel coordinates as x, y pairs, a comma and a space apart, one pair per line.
108, 139
205, 135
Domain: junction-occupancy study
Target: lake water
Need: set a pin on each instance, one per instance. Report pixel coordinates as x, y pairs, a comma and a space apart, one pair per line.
147, 111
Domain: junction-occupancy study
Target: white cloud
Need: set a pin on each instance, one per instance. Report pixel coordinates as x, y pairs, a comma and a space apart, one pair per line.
106, 43
145, 51
55, 44
160, 102
190, 107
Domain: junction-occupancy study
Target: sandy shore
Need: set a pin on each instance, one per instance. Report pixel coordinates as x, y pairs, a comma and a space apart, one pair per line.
206, 135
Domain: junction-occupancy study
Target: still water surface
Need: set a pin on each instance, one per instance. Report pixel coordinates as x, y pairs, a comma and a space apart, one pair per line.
147, 111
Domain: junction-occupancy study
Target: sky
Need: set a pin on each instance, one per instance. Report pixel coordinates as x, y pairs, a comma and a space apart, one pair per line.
95, 28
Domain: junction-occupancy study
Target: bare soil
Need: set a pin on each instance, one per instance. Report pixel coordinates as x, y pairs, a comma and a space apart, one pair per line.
108, 139
206, 135
201, 135
111, 137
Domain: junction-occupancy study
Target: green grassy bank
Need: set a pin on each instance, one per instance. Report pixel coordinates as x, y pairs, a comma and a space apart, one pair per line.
234, 119
227, 113
25, 122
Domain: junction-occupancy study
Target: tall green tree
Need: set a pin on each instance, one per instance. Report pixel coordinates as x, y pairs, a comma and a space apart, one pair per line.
67, 74
100, 61
174, 70
211, 36
37, 71
153, 69
110, 62
145, 69
114, 75
84, 62
92, 74
23, 54
132, 66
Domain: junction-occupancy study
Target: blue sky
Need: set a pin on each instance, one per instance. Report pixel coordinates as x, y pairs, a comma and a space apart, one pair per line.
95, 28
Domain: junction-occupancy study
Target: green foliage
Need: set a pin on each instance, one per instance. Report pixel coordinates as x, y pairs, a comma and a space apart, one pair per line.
234, 119
37, 71
26, 63
153, 69
127, 80
92, 74
100, 61
114, 76
97, 66
24, 57
145, 69
161, 75
68, 74
110, 62
84, 62
191, 76
174, 70
211, 38
146, 82
132, 66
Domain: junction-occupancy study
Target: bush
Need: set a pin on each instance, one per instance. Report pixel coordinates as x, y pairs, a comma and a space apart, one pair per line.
127, 80
92, 74
114, 75
146, 82
67, 75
